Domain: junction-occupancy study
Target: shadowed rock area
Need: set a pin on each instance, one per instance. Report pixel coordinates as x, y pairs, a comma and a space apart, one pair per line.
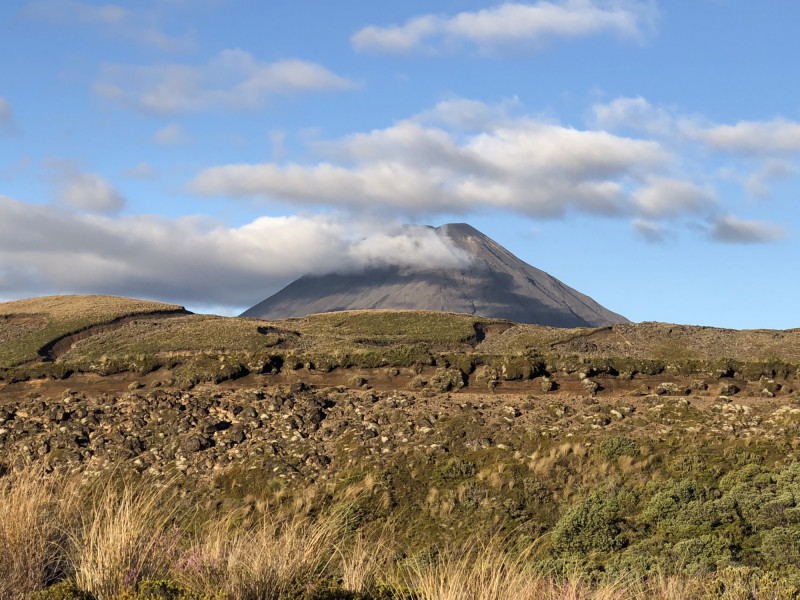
495, 284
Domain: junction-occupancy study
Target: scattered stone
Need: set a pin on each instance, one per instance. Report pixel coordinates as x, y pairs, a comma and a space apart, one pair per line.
729, 389
671, 389
446, 380
591, 386
196, 443
418, 382
357, 381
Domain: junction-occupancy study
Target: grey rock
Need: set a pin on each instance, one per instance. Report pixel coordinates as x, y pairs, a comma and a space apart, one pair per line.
196, 443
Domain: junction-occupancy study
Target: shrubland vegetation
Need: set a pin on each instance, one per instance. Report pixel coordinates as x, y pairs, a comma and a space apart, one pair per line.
112, 537
489, 461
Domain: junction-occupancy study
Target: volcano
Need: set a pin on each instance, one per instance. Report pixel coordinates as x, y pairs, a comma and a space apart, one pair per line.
494, 283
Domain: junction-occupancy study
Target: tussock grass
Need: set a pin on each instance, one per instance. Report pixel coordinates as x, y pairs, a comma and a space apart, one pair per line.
266, 559
125, 535
35, 515
132, 540
470, 573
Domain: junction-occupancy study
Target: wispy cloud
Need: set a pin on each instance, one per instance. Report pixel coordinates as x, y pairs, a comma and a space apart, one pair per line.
139, 25
82, 190
759, 151
635, 114
757, 184
463, 156
776, 136
142, 171
171, 135
233, 79
733, 230
511, 26
650, 231
8, 123
663, 197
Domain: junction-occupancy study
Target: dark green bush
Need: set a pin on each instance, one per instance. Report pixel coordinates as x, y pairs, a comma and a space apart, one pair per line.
595, 525
612, 448
65, 590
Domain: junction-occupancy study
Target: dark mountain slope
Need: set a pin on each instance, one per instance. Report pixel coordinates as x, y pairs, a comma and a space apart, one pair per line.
495, 284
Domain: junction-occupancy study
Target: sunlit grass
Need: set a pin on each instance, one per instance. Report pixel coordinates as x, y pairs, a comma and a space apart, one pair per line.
56, 316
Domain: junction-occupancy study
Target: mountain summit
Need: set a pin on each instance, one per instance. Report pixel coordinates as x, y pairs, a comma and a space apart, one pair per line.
494, 283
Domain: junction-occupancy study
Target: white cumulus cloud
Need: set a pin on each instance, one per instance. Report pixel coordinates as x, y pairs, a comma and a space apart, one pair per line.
521, 165
511, 25
188, 260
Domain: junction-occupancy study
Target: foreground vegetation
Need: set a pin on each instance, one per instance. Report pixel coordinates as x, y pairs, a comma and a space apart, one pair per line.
109, 538
149, 454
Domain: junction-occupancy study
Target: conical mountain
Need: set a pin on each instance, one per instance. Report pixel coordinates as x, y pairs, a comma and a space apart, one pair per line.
495, 283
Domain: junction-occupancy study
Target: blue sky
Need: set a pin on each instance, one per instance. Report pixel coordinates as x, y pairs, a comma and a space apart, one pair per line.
207, 152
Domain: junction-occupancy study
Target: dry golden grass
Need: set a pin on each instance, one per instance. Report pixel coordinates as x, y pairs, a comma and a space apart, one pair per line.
265, 559
130, 533
364, 561
492, 573
124, 536
470, 573
100, 308
34, 518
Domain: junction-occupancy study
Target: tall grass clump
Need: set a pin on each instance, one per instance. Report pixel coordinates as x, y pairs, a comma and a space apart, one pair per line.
469, 573
264, 559
126, 535
34, 517
364, 562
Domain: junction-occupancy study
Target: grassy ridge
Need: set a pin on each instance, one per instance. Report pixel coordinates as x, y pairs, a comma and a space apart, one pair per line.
372, 339
40, 320
386, 327
184, 334
49, 318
